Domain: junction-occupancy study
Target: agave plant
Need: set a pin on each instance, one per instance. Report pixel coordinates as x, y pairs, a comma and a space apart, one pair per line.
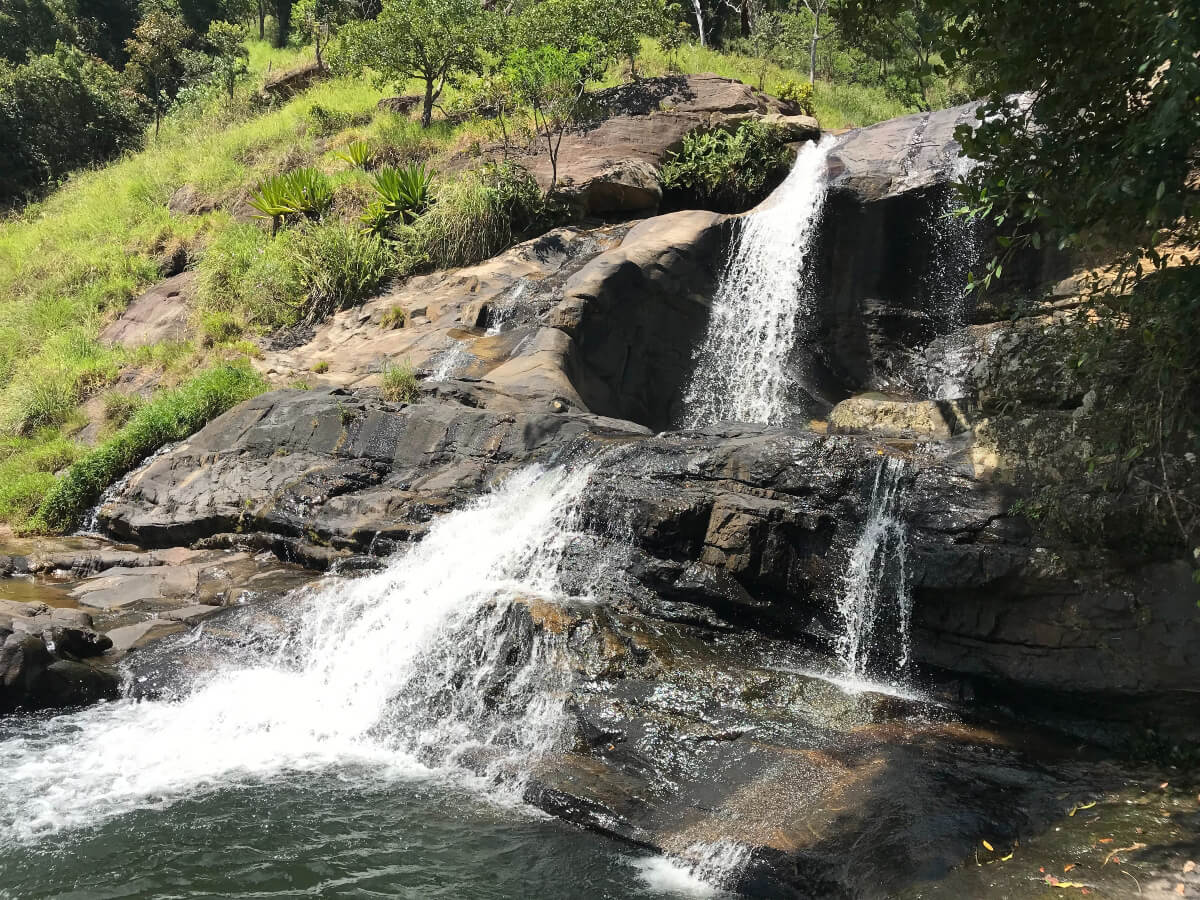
309, 192
358, 154
270, 199
304, 192
404, 192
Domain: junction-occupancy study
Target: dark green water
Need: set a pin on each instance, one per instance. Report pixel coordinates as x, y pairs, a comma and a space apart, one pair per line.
318, 835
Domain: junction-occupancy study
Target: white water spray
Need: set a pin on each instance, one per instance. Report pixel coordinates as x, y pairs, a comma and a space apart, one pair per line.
405, 671
957, 251
742, 370
875, 574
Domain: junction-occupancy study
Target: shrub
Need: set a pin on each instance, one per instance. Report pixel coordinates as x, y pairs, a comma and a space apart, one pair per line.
403, 192
247, 273
219, 326
726, 170
321, 367
170, 416
60, 112
477, 216
119, 407
394, 318
304, 192
45, 388
27, 467
798, 92
323, 122
358, 154
340, 266
399, 383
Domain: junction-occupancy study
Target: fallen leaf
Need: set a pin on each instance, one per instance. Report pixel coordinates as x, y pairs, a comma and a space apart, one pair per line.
1106, 840
1163, 786
1189, 866
1179, 889
987, 846
1006, 858
1042, 869
1069, 866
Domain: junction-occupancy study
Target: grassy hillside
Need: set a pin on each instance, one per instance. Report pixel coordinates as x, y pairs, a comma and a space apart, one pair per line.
72, 262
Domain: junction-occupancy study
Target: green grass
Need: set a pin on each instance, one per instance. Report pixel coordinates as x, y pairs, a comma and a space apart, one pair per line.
170, 416
398, 383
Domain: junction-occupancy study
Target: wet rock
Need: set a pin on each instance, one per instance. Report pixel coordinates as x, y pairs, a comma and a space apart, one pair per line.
723, 753
899, 156
34, 676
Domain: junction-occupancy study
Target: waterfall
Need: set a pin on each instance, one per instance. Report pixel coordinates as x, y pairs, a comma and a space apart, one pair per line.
875, 639
957, 250
408, 671
742, 370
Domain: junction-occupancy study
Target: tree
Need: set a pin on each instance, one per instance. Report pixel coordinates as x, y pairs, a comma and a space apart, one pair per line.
1089, 137
155, 53
817, 8
606, 30
29, 28
61, 111
321, 19
283, 21
770, 42
231, 59
552, 81
908, 31
432, 40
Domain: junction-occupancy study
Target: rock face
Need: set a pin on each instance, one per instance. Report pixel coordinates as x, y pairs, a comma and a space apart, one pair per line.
162, 313
286, 84
600, 320
42, 658
613, 166
900, 156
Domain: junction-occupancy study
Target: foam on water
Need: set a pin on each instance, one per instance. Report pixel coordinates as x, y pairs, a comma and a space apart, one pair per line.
390, 671
702, 870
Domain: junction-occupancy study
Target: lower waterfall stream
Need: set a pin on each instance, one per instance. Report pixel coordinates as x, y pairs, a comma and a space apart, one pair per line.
400, 727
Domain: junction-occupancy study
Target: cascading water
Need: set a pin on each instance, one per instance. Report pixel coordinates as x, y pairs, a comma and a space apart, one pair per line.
742, 371
457, 355
958, 248
409, 671
876, 599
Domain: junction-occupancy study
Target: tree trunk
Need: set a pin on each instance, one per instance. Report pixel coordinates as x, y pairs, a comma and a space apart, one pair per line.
427, 109
262, 19
283, 22
746, 18
812, 49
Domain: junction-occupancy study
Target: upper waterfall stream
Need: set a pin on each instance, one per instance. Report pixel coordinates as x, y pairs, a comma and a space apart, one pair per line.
743, 369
